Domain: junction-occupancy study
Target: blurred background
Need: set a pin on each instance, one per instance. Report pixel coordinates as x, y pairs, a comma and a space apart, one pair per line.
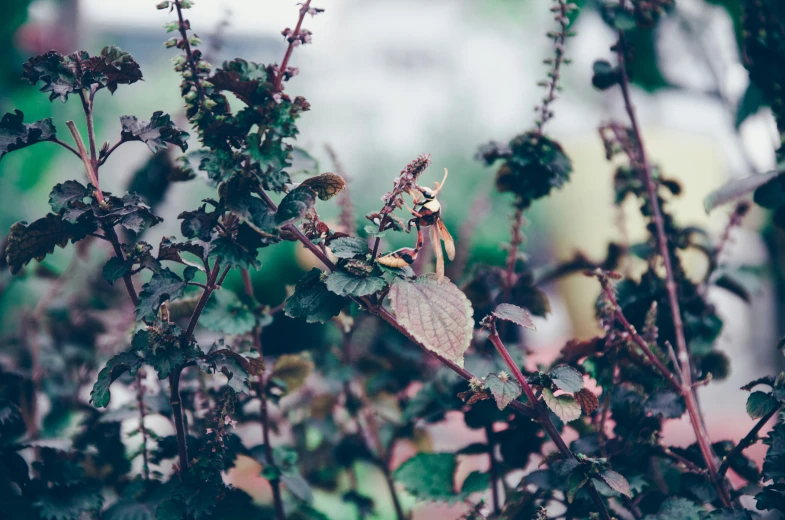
390, 79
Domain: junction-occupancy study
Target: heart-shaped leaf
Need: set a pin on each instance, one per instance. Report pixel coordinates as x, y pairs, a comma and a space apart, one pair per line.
436, 313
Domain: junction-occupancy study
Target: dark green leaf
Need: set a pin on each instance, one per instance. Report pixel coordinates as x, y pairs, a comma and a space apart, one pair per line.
156, 133
312, 300
36, 240
114, 269
666, 404
749, 104
345, 284
475, 482
225, 312
164, 285
727, 513
115, 367
505, 389
68, 502
677, 508
605, 75
428, 476
64, 194
234, 254
199, 223
567, 378
575, 481
771, 498
295, 205
349, 247
761, 403
14, 134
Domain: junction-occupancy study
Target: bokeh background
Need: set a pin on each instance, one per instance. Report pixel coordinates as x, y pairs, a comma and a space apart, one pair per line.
390, 79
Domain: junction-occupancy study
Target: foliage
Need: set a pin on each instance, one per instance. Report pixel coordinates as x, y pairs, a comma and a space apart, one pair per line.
364, 354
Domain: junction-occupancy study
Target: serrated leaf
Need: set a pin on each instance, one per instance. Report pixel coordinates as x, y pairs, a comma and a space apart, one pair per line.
665, 403
293, 370
567, 378
155, 134
616, 482
565, 407
504, 392
513, 313
774, 462
311, 300
115, 367
170, 249
436, 313
736, 189
346, 284
349, 247
36, 240
588, 401
225, 312
15, 135
677, 508
760, 403
113, 67
727, 513
236, 374
295, 205
65, 193
234, 254
428, 476
326, 185
68, 502
199, 223
575, 481
164, 285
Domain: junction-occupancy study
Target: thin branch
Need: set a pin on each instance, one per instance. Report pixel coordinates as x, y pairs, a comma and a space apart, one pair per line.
275, 483
183, 28
688, 394
512, 255
294, 37
110, 150
748, 440
87, 105
92, 176
543, 416
142, 428
691, 466
66, 146
177, 416
493, 469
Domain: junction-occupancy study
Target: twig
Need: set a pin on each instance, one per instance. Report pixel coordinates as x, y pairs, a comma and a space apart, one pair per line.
493, 469
293, 38
748, 440
92, 176
66, 146
142, 412
691, 466
275, 483
183, 28
688, 393
552, 84
177, 415
109, 151
543, 417
512, 255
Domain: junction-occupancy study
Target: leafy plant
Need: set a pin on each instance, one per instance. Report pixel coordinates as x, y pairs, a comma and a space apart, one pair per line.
372, 389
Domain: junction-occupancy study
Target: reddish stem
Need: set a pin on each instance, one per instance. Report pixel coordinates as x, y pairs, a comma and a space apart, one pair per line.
293, 38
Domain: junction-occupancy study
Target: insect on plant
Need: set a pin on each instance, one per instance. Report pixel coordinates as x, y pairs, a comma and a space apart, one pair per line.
427, 212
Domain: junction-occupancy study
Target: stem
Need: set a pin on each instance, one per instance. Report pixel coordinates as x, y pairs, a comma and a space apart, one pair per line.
177, 415
748, 440
292, 39
686, 393
543, 417
512, 255
140, 404
87, 105
66, 146
690, 398
493, 470
109, 151
211, 286
691, 466
188, 52
118, 251
275, 483
92, 176
553, 82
